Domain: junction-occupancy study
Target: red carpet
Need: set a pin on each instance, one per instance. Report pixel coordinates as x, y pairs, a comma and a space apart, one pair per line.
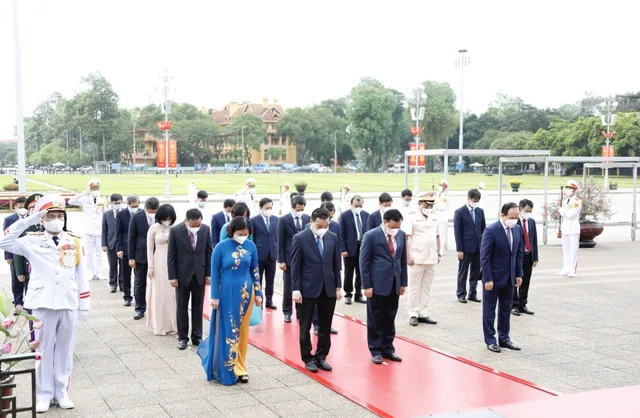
426, 382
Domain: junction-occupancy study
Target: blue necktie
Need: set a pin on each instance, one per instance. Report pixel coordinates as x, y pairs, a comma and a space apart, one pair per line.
319, 242
473, 215
267, 223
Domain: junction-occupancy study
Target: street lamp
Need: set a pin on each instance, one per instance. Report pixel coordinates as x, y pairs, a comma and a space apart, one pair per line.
462, 61
167, 109
133, 156
417, 114
608, 119
22, 185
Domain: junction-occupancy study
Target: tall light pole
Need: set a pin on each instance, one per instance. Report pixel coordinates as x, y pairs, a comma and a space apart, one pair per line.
22, 178
608, 119
417, 114
242, 135
335, 152
462, 61
133, 156
165, 90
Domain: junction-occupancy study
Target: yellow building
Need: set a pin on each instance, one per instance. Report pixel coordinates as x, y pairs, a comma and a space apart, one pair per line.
271, 114
146, 152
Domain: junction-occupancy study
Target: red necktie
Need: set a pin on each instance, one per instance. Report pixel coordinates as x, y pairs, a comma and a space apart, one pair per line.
390, 242
526, 235
192, 240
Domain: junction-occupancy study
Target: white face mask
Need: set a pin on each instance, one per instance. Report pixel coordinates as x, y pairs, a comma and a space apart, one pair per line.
252, 190
427, 211
298, 213
511, 222
202, 203
166, 223
320, 231
383, 209
240, 239
133, 210
568, 192
95, 193
357, 210
193, 230
267, 213
393, 231
54, 225
21, 212
116, 206
406, 203
473, 204
526, 215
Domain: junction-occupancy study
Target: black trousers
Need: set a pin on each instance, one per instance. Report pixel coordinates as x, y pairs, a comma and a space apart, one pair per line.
351, 265
115, 272
521, 294
501, 297
326, 306
125, 283
287, 293
194, 291
267, 274
140, 287
470, 260
381, 322
17, 287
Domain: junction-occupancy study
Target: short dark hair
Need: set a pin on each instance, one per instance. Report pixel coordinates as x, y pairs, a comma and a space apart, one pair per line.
152, 203
239, 209
507, 207
238, 223
298, 200
393, 215
21, 199
193, 215
132, 198
474, 194
228, 203
294, 194
329, 206
357, 198
406, 192
115, 197
385, 197
166, 211
264, 201
524, 203
326, 196
320, 213
202, 194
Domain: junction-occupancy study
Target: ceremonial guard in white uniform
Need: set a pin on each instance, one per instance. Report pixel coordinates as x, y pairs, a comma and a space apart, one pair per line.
484, 200
421, 228
247, 195
285, 199
442, 210
570, 229
345, 198
93, 206
58, 294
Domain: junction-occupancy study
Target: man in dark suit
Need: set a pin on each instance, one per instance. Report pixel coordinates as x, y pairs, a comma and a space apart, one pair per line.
264, 227
501, 258
123, 219
109, 241
353, 224
17, 287
375, 218
315, 276
219, 219
289, 225
189, 261
383, 263
138, 228
468, 227
529, 260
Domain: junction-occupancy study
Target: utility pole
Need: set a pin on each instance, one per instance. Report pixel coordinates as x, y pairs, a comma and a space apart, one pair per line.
461, 61
22, 177
81, 154
165, 90
417, 114
335, 152
242, 134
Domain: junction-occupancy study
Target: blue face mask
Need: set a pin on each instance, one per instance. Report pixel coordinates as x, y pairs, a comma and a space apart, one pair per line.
406, 203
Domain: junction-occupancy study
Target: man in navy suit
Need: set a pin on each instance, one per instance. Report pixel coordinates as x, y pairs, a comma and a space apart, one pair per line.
123, 219
219, 219
264, 227
529, 260
375, 219
501, 259
468, 227
353, 224
383, 263
17, 287
138, 228
288, 226
108, 238
315, 276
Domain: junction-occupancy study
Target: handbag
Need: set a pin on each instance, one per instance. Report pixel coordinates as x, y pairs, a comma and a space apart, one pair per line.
256, 316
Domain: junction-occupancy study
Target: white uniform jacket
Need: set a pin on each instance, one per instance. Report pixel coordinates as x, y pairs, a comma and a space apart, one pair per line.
570, 212
92, 211
442, 207
424, 233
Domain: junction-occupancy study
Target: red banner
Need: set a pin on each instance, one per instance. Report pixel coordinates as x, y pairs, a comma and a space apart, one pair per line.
608, 151
161, 147
412, 158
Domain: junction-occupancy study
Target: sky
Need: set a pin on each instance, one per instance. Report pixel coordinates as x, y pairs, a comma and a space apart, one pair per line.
301, 52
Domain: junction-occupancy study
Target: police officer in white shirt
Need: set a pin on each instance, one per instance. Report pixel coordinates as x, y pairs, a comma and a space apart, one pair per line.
570, 229
58, 294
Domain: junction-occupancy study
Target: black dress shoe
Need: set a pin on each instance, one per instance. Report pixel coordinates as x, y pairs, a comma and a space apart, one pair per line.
311, 366
509, 345
196, 341
427, 320
270, 305
138, 315
474, 299
515, 311
333, 331
494, 348
347, 300
524, 310
127, 303
114, 289
376, 359
392, 357
323, 365
462, 300
360, 299
287, 318
413, 321
182, 345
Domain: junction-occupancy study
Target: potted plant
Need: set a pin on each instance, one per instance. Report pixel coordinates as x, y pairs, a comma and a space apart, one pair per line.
301, 186
515, 185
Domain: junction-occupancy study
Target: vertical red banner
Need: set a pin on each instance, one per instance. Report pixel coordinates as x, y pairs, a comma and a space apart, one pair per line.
421, 158
412, 158
173, 154
608, 151
161, 148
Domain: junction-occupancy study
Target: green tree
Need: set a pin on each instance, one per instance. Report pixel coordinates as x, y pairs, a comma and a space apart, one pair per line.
255, 133
196, 137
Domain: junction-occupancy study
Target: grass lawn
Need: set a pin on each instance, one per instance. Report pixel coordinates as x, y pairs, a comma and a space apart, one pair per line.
31, 186
153, 184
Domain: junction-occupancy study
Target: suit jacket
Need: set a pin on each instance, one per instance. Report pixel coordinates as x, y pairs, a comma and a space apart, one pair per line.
183, 261
533, 237
468, 235
109, 229
138, 228
123, 218
217, 221
500, 263
265, 240
285, 232
348, 234
8, 221
374, 221
310, 271
377, 268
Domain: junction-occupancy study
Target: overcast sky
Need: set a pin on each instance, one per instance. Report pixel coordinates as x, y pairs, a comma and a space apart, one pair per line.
301, 51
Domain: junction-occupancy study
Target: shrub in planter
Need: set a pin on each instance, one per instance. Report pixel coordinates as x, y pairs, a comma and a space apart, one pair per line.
11, 187
301, 186
515, 185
